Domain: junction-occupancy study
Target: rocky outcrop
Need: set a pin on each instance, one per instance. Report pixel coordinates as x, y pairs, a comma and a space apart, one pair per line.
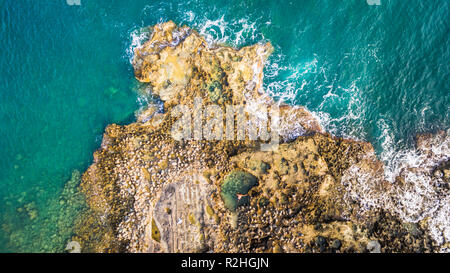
152, 192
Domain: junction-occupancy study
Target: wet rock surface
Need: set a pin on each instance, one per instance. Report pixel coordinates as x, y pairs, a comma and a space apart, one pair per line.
148, 192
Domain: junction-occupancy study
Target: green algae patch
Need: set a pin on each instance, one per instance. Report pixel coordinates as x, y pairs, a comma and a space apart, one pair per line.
234, 188
156, 235
215, 91
192, 219
210, 211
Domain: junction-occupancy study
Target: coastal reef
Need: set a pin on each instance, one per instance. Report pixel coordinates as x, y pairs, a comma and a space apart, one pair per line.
151, 191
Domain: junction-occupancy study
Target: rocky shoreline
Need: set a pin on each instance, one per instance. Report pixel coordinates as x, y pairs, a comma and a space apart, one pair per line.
148, 192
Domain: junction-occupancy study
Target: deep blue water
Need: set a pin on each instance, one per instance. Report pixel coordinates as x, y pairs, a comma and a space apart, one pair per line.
378, 73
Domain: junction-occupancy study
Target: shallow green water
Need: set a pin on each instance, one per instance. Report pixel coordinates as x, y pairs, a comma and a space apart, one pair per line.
379, 73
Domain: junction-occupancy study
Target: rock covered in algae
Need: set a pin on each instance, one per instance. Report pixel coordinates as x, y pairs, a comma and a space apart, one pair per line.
235, 187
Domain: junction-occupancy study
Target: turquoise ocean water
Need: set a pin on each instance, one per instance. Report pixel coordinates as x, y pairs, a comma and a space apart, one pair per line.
373, 72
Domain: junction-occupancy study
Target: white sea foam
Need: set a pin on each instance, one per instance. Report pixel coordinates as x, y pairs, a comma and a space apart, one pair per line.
415, 193
286, 90
309, 79
220, 31
137, 39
